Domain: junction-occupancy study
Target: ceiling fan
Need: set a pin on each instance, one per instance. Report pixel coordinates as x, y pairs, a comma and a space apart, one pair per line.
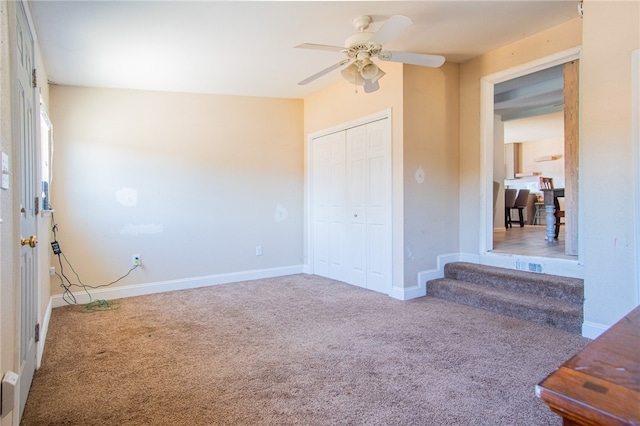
362, 47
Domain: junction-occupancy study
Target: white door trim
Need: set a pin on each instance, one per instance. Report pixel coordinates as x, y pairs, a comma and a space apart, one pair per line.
635, 138
308, 232
487, 84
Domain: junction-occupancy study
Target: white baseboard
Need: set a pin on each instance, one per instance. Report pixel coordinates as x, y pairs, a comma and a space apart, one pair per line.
420, 289
443, 259
181, 284
468, 257
44, 328
592, 330
408, 293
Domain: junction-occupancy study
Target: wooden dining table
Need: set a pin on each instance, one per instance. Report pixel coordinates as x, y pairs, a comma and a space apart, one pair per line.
550, 199
600, 385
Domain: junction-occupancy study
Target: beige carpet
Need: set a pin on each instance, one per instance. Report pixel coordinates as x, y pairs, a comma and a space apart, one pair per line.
297, 350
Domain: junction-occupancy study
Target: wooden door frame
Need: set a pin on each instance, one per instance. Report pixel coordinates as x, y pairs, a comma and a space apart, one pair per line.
487, 84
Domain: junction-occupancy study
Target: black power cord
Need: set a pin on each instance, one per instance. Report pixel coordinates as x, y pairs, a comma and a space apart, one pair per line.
67, 284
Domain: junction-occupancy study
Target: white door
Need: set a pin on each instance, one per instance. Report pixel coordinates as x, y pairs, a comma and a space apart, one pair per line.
329, 195
25, 94
378, 207
356, 205
351, 194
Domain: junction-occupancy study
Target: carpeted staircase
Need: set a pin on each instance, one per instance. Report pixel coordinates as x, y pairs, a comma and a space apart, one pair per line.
546, 299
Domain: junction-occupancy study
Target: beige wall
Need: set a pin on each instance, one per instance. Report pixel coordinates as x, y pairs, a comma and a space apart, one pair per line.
430, 166
192, 183
611, 32
531, 150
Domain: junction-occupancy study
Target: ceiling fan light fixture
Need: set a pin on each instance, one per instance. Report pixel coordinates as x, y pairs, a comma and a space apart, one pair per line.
368, 69
379, 74
362, 47
371, 86
352, 75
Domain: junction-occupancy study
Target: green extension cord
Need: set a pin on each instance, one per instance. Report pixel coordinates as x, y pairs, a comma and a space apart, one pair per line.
100, 305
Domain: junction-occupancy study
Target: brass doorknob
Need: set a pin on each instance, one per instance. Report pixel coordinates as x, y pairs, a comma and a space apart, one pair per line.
31, 241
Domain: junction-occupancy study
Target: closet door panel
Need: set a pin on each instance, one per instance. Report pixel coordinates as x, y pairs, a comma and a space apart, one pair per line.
356, 204
320, 189
378, 207
337, 195
351, 206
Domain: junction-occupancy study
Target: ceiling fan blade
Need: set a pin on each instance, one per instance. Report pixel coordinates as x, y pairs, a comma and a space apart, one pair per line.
422, 59
392, 28
315, 46
323, 72
371, 86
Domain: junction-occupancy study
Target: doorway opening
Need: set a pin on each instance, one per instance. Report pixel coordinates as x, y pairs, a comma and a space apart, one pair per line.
525, 95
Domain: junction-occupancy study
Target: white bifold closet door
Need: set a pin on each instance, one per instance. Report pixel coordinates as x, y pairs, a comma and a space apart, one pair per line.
351, 192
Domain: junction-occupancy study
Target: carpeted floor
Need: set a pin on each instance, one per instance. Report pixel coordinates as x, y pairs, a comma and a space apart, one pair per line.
296, 350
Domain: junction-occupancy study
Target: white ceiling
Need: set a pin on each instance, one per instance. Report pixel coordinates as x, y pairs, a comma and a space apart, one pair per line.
246, 47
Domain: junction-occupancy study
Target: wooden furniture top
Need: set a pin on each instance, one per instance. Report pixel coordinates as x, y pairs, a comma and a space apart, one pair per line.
600, 385
550, 196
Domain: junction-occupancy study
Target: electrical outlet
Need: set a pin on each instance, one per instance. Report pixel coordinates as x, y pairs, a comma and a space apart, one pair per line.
135, 260
52, 270
258, 250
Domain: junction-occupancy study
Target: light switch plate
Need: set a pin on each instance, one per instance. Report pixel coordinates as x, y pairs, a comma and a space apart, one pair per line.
5, 171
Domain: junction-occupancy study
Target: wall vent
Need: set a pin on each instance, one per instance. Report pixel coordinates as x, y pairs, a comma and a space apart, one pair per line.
530, 267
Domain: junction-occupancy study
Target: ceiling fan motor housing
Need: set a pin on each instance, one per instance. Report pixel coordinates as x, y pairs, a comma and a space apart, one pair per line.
362, 22
361, 42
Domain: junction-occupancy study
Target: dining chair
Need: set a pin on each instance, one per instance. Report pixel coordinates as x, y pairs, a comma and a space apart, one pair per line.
521, 203
546, 183
509, 203
559, 213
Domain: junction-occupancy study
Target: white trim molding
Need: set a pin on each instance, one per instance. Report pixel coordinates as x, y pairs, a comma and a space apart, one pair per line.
408, 293
181, 284
487, 84
592, 330
44, 328
635, 140
420, 289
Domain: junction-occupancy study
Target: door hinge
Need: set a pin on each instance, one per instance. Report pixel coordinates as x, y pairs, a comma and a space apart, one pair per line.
37, 332
34, 78
37, 205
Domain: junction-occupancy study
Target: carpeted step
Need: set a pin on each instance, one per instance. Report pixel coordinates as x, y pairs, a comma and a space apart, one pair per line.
551, 286
523, 305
